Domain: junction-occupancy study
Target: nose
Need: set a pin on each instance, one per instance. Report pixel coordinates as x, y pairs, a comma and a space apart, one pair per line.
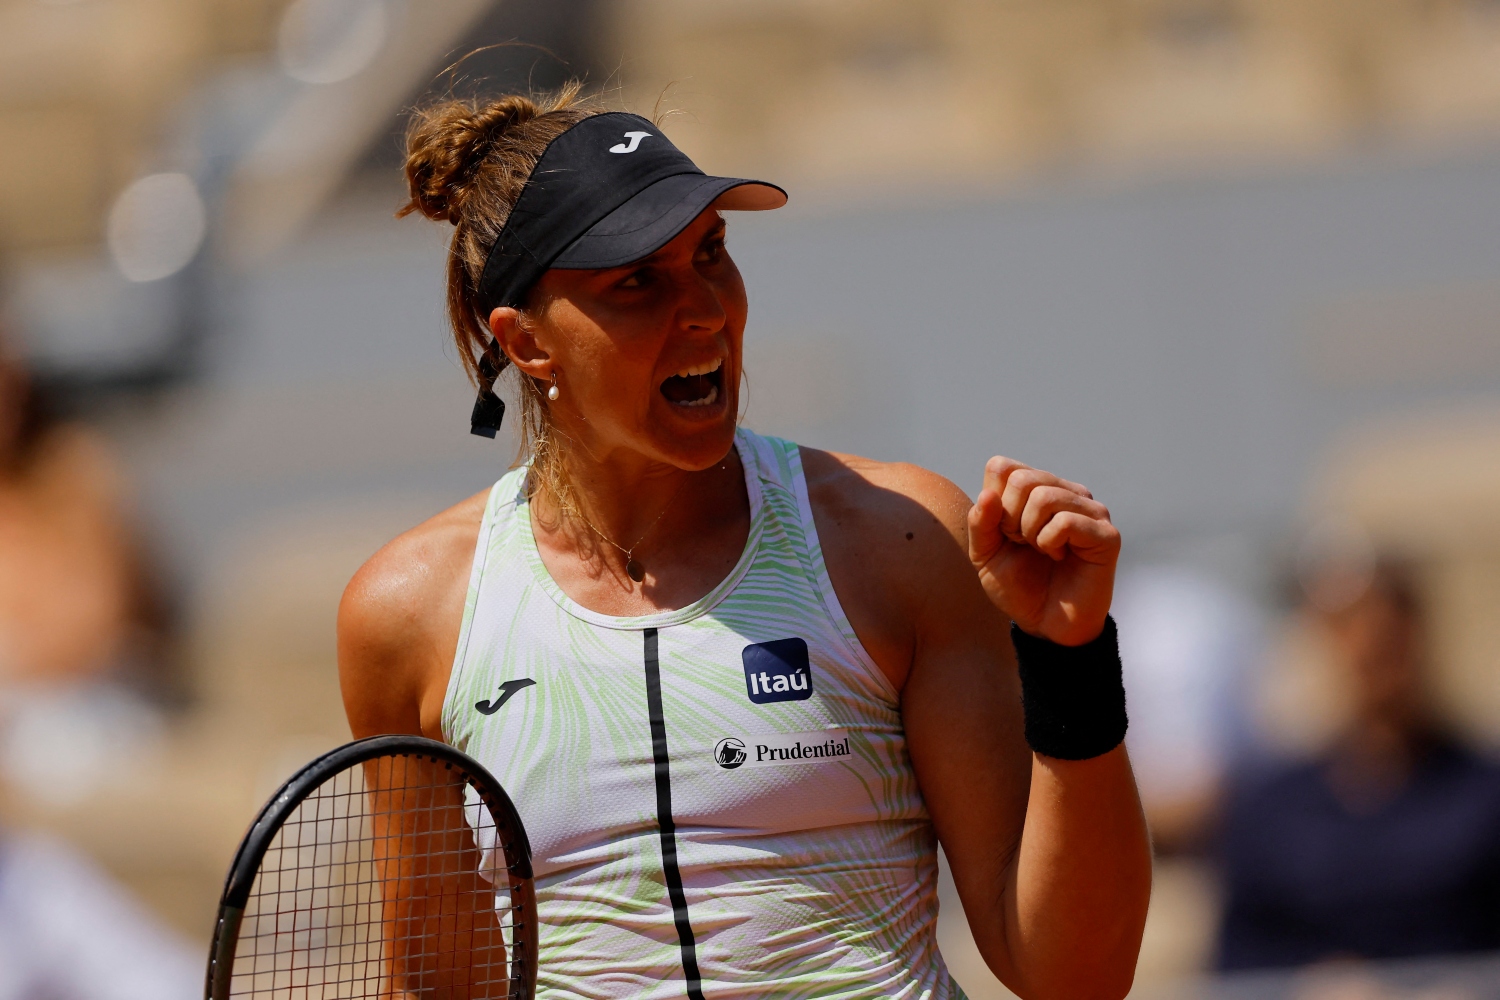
700, 310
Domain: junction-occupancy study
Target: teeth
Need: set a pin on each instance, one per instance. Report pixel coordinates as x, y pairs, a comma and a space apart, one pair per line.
710, 399
703, 369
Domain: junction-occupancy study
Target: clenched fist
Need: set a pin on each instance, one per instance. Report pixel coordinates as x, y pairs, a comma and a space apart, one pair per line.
1045, 551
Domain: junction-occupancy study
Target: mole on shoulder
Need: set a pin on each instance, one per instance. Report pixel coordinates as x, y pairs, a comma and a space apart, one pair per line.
909, 536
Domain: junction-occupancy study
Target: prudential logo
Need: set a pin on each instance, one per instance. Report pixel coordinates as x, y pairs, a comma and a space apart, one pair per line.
635, 142
819, 747
730, 753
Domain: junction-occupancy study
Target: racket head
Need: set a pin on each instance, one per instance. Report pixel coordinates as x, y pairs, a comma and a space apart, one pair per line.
388, 866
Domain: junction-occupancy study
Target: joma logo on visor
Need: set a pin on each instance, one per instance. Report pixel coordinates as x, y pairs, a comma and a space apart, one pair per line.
635, 142
777, 671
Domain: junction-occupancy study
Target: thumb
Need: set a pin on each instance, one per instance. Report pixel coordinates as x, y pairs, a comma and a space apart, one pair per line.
985, 538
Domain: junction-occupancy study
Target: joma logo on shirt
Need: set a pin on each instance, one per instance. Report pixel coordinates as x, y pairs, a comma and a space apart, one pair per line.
777, 671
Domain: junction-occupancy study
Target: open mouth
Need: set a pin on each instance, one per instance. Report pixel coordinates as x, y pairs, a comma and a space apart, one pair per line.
698, 385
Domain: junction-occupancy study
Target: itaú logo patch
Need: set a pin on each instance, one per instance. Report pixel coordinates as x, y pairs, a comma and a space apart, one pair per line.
777, 671
817, 747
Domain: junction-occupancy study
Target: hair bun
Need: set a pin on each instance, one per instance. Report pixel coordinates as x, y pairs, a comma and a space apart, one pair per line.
445, 146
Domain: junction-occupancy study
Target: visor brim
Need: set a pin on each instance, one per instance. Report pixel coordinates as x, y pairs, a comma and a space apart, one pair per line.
654, 216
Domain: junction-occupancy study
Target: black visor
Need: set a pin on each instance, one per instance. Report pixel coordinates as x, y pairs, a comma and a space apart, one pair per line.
610, 190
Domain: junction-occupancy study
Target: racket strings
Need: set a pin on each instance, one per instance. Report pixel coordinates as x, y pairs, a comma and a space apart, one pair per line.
389, 880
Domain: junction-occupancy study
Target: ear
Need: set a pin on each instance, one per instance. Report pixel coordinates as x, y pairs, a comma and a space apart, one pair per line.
519, 342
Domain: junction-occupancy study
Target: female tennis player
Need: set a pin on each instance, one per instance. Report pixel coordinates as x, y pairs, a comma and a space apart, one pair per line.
740, 691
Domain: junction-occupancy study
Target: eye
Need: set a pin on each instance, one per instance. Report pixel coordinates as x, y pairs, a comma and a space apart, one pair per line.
638, 278
712, 251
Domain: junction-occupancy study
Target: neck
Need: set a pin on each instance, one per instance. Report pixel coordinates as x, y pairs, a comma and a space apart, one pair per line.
692, 527
627, 503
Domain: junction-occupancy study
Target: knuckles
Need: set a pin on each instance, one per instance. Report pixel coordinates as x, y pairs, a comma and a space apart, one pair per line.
1021, 487
1026, 477
999, 465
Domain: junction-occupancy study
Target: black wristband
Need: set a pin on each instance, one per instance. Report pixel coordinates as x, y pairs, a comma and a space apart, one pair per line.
1073, 696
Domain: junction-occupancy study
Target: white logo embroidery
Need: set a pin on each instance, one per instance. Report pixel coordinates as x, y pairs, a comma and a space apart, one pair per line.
635, 141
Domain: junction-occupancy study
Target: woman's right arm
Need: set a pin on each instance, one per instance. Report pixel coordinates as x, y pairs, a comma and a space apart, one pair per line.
398, 629
398, 625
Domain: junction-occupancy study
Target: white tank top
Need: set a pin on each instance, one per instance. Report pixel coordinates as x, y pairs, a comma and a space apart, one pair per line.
719, 798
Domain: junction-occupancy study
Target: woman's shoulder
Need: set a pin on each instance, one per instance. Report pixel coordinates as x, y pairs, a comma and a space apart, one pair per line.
883, 496
406, 570
894, 537
400, 616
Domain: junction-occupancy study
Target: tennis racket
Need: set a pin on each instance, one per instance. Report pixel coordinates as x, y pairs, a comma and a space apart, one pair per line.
392, 868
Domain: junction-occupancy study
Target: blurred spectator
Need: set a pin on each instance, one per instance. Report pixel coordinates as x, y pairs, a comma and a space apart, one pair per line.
83, 674
1387, 844
75, 602
85, 662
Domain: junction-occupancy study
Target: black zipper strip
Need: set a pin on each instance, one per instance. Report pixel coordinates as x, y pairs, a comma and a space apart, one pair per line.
666, 824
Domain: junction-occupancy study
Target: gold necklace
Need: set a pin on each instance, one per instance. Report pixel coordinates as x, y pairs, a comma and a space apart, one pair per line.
633, 568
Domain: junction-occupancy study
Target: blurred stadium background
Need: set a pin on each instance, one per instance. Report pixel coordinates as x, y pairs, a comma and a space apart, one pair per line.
1235, 264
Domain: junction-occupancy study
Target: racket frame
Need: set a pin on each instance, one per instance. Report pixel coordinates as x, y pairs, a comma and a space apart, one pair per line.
268, 822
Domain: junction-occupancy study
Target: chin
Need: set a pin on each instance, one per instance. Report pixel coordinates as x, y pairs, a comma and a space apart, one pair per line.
698, 438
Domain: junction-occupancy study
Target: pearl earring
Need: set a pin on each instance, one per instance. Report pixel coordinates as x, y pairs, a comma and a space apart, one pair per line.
554, 391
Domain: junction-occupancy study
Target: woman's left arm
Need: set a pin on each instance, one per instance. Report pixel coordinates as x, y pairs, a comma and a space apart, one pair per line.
1050, 857
1064, 916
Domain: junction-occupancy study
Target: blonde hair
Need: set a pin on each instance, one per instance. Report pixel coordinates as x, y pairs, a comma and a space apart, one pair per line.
466, 163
